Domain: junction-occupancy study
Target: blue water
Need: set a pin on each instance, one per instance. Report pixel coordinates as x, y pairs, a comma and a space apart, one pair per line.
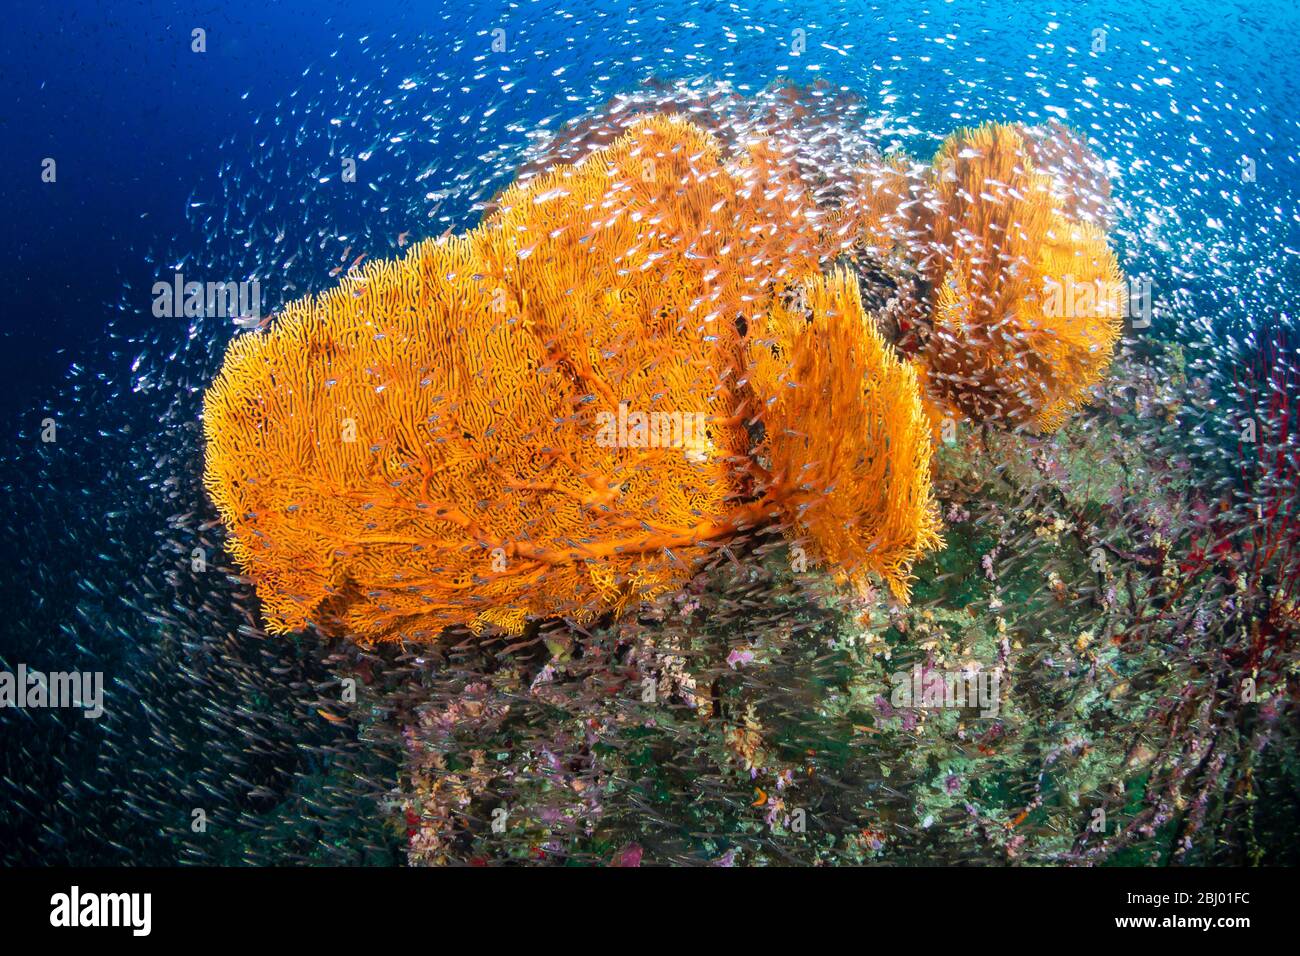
139, 124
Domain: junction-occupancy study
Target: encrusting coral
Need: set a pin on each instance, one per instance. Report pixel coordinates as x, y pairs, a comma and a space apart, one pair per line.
430, 444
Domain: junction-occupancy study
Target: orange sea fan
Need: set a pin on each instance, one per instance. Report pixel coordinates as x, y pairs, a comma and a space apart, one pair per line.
1025, 303
475, 434
1026, 299
847, 439
881, 213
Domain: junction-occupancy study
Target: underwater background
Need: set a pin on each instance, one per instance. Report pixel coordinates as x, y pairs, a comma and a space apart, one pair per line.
224, 165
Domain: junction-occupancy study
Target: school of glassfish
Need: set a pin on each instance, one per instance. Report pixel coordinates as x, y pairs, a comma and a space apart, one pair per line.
415, 449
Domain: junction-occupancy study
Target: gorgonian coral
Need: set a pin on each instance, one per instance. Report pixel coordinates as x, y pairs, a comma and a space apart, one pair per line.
1025, 298
859, 492
430, 443
1025, 313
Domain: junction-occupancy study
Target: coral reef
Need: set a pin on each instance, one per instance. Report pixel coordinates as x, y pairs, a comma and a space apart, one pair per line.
751, 718
427, 445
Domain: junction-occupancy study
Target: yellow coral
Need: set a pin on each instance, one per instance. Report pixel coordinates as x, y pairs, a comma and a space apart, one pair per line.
1025, 304
556, 413
846, 434
430, 443
1026, 312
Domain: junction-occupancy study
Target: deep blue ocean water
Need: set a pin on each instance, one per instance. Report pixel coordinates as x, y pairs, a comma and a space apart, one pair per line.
139, 124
